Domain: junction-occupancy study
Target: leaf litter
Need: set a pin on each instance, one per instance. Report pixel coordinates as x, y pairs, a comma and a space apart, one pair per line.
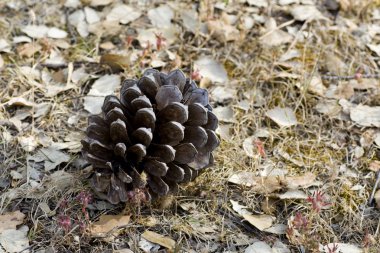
307, 66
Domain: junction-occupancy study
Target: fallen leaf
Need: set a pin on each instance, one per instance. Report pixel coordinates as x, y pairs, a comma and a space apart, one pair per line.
341, 248
91, 15
269, 184
224, 114
240, 209
284, 117
107, 223
161, 16
293, 194
102, 87
122, 251
305, 12
13, 240
211, 69
147, 246
223, 94
28, 143
279, 247
278, 229
374, 48
274, 36
11, 220
20, 101
165, 241
116, 62
56, 33
222, 32
100, 2
306, 180
190, 20
365, 115
258, 3
51, 157
258, 247
374, 166
261, 221
123, 14
35, 31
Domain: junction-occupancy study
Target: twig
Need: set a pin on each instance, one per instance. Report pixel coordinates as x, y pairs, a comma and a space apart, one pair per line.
374, 188
346, 78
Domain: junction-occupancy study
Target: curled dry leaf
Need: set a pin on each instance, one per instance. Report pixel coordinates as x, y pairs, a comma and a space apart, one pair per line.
107, 223
165, 241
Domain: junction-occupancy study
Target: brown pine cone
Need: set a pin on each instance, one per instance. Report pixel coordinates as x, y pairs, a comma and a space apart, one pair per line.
161, 132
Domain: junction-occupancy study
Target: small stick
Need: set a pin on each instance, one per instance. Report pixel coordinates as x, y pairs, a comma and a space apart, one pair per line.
346, 78
374, 188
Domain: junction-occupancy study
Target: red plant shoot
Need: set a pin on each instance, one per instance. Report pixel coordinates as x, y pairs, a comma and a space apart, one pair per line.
318, 201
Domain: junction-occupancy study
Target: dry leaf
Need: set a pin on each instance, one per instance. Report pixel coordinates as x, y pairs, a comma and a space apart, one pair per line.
365, 115
161, 16
274, 36
28, 143
303, 181
107, 223
284, 117
377, 198
165, 241
261, 221
224, 114
222, 31
102, 87
259, 247
123, 14
341, 248
259, 184
13, 240
223, 94
116, 62
305, 12
293, 194
211, 69
11, 220
270, 184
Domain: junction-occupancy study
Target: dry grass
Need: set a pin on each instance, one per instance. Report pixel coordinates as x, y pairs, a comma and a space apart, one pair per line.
252, 68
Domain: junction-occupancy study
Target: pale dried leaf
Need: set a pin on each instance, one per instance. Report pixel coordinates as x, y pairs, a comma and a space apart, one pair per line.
341, 248
102, 87
56, 33
36, 31
240, 209
107, 223
374, 48
224, 114
261, 221
278, 229
123, 14
11, 220
211, 69
13, 240
28, 143
284, 117
223, 94
377, 199
293, 194
306, 180
365, 115
223, 32
91, 15
165, 241
258, 247
305, 12
161, 16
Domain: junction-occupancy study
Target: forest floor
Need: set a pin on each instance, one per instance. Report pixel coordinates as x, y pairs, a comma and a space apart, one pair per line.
296, 87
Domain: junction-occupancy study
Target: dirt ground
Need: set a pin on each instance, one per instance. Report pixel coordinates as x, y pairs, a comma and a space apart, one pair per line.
295, 85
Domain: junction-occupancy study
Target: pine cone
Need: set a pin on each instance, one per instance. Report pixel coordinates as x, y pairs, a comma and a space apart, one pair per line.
158, 134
